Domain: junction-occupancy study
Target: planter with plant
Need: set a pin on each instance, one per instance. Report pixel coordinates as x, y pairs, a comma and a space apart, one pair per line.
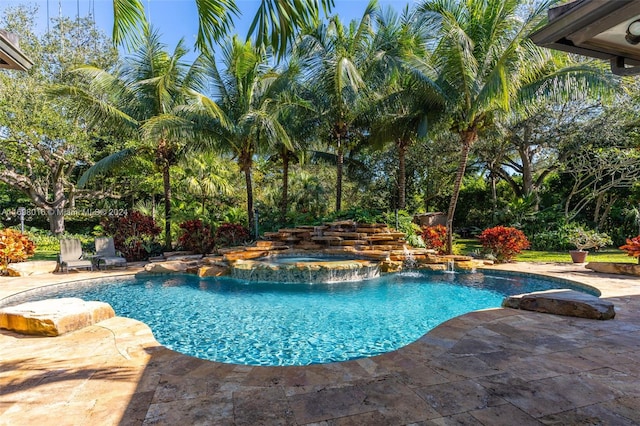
584, 239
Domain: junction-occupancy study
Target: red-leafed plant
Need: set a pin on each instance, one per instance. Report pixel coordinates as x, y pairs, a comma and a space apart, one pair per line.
503, 242
134, 235
195, 236
14, 247
435, 237
231, 234
632, 247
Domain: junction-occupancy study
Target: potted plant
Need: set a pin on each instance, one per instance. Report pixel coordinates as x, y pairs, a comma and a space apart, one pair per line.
584, 239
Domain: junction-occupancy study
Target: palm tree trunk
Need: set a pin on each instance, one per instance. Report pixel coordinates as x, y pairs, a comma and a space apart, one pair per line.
285, 187
402, 178
246, 168
166, 181
494, 198
467, 138
339, 168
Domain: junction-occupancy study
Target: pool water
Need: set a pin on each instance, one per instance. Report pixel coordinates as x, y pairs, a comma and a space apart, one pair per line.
226, 320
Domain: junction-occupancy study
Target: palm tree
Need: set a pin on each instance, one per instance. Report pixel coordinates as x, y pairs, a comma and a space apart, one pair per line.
407, 105
486, 65
300, 119
138, 101
205, 176
274, 24
337, 58
244, 116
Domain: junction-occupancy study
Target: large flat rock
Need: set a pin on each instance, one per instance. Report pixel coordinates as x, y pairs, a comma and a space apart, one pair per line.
562, 302
34, 267
53, 317
614, 268
168, 267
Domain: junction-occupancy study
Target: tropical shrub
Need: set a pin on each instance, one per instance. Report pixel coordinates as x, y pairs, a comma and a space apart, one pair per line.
196, 237
551, 240
503, 242
231, 234
415, 240
134, 235
14, 247
632, 247
435, 237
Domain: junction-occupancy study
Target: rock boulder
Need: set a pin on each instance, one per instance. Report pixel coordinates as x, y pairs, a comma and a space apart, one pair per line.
34, 267
563, 302
53, 317
614, 268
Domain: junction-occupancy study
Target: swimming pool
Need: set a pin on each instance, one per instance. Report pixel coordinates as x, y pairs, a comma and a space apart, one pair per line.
231, 321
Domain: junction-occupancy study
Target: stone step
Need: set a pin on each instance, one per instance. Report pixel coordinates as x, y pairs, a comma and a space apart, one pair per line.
380, 237
372, 230
329, 239
292, 230
269, 244
351, 243
243, 255
374, 254
352, 235
308, 245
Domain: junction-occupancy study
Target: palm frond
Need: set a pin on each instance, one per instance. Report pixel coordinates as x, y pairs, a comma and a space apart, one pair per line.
129, 22
215, 20
105, 165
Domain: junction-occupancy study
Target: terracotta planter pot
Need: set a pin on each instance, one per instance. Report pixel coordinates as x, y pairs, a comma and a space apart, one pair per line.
578, 256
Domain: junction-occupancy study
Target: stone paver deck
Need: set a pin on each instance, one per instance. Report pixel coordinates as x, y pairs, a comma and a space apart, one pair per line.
492, 367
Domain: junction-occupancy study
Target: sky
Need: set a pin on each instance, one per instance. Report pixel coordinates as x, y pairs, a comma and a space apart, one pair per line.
176, 19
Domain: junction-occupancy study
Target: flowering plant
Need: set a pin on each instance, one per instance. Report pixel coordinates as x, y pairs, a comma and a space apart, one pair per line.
231, 234
196, 236
503, 242
14, 247
632, 247
435, 237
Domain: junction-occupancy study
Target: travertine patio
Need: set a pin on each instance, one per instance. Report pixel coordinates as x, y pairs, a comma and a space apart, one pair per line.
494, 367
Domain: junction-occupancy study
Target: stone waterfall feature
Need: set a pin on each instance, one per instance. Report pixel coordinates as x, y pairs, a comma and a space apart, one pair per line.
304, 270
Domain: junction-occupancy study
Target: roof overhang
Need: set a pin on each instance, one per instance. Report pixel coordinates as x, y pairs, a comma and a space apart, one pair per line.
594, 28
11, 57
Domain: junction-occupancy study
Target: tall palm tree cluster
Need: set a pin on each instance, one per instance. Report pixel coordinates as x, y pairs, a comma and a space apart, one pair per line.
454, 67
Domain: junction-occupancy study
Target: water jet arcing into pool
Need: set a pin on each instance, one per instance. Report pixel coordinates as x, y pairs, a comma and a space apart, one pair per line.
298, 269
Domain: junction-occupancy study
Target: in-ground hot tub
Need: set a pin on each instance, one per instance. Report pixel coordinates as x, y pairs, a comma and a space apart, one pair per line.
304, 269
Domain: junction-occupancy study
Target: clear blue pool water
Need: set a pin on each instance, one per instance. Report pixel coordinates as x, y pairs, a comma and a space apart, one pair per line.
225, 320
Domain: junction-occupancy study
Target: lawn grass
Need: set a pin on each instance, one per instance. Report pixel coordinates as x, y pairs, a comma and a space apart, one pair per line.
44, 255
604, 255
